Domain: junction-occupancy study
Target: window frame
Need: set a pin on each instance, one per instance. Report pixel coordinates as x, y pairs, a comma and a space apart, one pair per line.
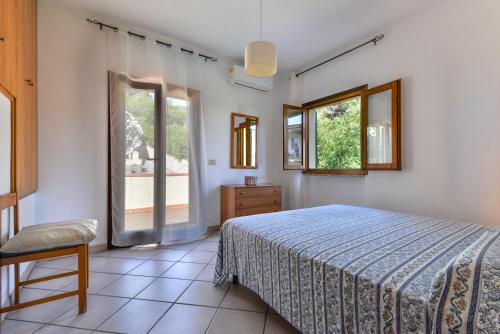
286, 108
395, 88
337, 97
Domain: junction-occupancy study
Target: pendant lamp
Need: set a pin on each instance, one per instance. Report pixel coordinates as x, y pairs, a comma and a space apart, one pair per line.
261, 58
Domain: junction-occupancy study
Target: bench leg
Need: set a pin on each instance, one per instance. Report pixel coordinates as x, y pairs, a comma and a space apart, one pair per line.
17, 279
82, 279
88, 268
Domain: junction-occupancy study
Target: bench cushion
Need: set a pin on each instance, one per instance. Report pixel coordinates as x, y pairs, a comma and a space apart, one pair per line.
50, 236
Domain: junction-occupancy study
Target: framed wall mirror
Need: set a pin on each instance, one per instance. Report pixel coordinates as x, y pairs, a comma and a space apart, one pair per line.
244, 141
294, 129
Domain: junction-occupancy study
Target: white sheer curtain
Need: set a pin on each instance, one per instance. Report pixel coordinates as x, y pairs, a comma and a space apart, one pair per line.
180, 77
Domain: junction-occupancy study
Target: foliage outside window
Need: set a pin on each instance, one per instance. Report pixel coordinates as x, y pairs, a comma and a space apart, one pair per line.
335, 135
140, 123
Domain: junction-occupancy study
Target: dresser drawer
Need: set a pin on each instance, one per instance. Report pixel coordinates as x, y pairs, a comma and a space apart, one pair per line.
254, 202
258, 210
257, 192
236, 200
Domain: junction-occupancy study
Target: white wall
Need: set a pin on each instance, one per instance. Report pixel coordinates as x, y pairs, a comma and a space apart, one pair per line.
449, 60
73, 120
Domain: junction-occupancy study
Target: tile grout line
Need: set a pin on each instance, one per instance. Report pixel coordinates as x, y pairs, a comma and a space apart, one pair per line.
216, 312
265, 320
144, 260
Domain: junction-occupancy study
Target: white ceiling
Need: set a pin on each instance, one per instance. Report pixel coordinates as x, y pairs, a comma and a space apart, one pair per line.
303, 30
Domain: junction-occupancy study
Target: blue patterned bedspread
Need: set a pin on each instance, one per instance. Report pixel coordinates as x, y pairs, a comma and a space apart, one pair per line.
344, 269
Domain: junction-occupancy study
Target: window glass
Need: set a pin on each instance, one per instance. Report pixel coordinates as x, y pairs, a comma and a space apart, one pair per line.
379, 128
335, 135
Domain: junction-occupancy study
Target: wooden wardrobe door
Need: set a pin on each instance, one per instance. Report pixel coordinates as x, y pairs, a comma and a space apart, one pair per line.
8, 41
26, 98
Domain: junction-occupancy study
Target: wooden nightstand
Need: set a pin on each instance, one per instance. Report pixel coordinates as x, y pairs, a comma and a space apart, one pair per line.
238, 200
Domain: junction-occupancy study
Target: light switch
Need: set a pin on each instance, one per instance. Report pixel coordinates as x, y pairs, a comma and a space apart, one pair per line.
212, 162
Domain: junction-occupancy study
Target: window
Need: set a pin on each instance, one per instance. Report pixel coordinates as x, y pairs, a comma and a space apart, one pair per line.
346, 133
294, 124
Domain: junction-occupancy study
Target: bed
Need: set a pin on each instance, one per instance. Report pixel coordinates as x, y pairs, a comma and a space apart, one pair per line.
345, 269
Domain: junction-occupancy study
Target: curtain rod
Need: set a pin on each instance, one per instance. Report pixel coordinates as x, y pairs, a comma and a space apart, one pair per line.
143, 37
373, 40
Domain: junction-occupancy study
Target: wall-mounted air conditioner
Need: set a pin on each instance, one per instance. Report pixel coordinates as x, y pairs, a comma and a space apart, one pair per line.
238, 77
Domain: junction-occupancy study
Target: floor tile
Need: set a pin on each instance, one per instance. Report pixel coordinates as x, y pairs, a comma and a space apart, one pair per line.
127, 286
184, 270
185, 246
98, 281
170, 254
164, 289
275, 324
144, 253
242, 298
207, 274
203, 293
185, 319
117, 252
43, 313
208, 246
113, 265
18, 327
138, 316
198, 256
99, 308
152, 268
67, 262
51, 329
214, 260
213, 237
234, 321
53, 284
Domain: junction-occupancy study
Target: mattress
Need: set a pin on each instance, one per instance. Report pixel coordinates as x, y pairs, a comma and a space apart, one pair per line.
345, 269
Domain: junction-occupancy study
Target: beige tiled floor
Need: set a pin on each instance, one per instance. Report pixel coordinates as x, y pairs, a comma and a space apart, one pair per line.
146, 290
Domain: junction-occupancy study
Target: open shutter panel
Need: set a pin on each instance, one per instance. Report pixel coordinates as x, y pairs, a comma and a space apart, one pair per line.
294, 133
381, 120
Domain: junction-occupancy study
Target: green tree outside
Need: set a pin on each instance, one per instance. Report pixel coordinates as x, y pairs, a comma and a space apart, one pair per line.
338, 135
140, 104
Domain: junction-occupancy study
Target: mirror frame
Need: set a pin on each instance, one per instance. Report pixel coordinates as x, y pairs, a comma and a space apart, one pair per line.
12, 100
231, 130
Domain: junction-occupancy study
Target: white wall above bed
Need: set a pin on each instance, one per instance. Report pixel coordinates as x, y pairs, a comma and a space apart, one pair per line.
449, 60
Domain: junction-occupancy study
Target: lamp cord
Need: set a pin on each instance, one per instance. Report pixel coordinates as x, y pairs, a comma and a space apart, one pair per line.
260, 20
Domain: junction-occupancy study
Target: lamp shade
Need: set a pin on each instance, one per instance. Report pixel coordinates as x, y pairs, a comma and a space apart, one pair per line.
261, 59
